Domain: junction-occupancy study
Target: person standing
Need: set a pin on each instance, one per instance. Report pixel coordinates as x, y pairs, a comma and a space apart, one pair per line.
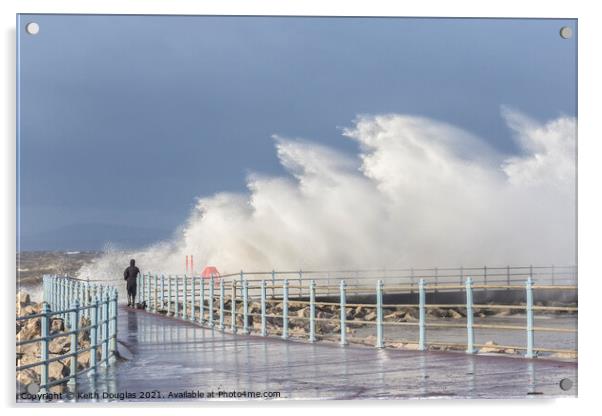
130, 274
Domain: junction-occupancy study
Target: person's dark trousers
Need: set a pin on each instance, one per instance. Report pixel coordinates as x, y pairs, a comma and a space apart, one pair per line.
132, 295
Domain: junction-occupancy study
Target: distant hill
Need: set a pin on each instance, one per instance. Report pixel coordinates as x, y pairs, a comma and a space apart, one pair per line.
92, 236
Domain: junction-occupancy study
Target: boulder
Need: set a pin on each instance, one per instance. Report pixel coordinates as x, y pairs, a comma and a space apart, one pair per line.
324, 315
32, 349
394, 316
57, 370
491, 346
359, 312
83, 361
30, 330
452, 313
409, 317
370, 316
565, 355
411, 346
436, 313
57, 325
59, 345
23, 300
84, 334
303, 313
27, 377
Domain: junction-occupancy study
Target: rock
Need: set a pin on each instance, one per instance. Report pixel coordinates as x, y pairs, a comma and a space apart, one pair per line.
83, 361
394, 316
370, 340
409, 317
411, 346
27, 310
565, 355
30, 330
359, 311
303, 313
57, 325
59, 345
324, 315
491, 347
28, 376
503, 312
84, 334
59, 388
454, 314
23, 300
57, 370
32, 349
370, 317
436, 312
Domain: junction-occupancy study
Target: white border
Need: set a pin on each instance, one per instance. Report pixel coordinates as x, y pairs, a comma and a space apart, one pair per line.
590, 152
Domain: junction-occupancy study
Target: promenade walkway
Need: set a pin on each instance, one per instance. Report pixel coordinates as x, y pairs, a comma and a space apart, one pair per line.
166, 356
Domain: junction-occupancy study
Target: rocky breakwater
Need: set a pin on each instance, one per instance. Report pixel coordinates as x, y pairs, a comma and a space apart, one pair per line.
29, 329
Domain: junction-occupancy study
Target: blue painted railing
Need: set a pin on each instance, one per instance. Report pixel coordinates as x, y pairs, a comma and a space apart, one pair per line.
188, 301
70, 300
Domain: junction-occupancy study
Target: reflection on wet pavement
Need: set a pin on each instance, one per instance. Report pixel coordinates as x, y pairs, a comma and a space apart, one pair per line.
168, 355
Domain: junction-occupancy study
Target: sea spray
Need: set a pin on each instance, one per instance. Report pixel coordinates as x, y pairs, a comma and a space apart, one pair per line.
420, 193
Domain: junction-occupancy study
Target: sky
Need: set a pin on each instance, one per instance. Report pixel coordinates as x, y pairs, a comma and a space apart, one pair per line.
125, 120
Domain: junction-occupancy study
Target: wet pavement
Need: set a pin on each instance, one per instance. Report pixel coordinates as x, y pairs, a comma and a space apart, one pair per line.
167, 359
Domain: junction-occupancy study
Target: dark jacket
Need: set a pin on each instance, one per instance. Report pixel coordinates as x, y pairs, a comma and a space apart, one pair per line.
131, 273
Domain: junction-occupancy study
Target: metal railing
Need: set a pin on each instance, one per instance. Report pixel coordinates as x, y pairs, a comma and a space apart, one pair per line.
240, 303
71, 300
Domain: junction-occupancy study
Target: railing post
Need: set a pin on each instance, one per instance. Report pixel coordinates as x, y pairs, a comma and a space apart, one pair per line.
106, 327
169, 284
93, 334
202, 303
192, 298
422, 315
113, 337
312, 311
245, 307
142, 289
285, 309
177, 304
263, 307
148, 292
139, 290
342, 302
80, 294
162, 292
508, 276
233, 308
155, 297
185, 299
66, 303
211, 301
221, 304
45, 326
273, 282
379, 315
469, 318
529, 290
74, 329
104, 330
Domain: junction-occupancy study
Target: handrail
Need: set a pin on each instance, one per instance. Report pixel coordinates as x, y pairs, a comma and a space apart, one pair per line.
228, 304
73, 299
